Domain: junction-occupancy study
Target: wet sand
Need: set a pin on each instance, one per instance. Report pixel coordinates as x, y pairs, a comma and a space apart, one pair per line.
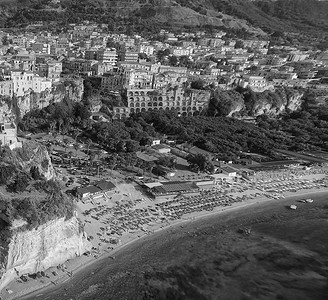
284, 257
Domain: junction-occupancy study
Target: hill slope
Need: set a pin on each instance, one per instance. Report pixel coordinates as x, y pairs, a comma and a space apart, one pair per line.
270, 15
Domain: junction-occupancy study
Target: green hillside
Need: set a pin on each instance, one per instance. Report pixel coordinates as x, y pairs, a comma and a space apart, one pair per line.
280, 15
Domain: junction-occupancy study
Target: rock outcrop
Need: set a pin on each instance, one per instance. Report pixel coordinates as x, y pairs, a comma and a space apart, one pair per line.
38, 249
39, 159
275, 103
19, 106
249, 103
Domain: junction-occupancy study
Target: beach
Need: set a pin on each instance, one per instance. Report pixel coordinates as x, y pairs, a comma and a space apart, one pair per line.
86, 267
131, 209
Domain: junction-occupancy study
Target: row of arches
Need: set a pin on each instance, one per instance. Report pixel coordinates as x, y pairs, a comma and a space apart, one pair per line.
160, 104
154, 103
137, 93
184, 112
160, 98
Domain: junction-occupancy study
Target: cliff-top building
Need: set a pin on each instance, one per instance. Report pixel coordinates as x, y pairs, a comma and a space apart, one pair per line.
8, 135
190, 103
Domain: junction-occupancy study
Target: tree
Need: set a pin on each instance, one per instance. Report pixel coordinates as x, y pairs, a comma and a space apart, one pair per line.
76, 147
199, 163
89, 142
173, 61
197, 84
20, 183
167, 161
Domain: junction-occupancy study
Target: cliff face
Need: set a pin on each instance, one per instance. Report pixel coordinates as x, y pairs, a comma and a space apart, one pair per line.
19, 106
38, 249
276, 103
232, 103
41, 160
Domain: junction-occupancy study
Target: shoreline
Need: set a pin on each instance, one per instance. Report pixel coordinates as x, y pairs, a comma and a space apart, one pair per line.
80, 263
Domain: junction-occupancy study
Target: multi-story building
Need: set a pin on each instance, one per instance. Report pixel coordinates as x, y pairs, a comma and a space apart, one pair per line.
26, 81
147, 49
50, 70
180, 70
120, 78
130, 56
175, 99
256, 83
179, 51
113, 80
164, 79
79, 65
24, 62
100, 68
6, 87
41, 48
107, 55
8, 135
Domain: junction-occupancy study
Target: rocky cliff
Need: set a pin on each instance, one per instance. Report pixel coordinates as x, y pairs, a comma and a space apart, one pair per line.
249, 103
38, 226
39, 158
38, 249
275, 103
19, 106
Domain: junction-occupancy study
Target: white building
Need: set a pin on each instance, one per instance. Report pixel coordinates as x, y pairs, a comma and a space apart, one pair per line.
25, 81
147, 49
8, 135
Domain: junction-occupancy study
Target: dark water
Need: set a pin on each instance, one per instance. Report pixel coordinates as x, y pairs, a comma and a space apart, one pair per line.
284, 257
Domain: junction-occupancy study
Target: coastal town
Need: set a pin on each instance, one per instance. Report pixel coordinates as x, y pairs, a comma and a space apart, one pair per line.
153, 74
124, 195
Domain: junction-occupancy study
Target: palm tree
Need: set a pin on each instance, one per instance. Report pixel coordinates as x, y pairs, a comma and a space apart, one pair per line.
76, 147
70, 154
92, 157
89, 142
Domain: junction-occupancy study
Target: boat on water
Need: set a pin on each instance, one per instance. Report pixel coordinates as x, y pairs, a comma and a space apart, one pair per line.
309, 200
293, 207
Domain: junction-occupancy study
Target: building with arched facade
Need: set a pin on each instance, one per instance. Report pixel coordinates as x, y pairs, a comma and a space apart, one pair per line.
186, 103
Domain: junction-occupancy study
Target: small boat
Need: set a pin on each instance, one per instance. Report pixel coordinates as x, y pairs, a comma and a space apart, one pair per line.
293, 207
309, 200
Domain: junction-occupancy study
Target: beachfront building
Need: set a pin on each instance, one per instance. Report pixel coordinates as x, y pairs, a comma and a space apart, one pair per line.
170, 188
95, 190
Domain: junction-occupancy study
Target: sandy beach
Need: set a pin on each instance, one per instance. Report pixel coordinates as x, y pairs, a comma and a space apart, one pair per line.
126, 193
189, 240
83, 262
